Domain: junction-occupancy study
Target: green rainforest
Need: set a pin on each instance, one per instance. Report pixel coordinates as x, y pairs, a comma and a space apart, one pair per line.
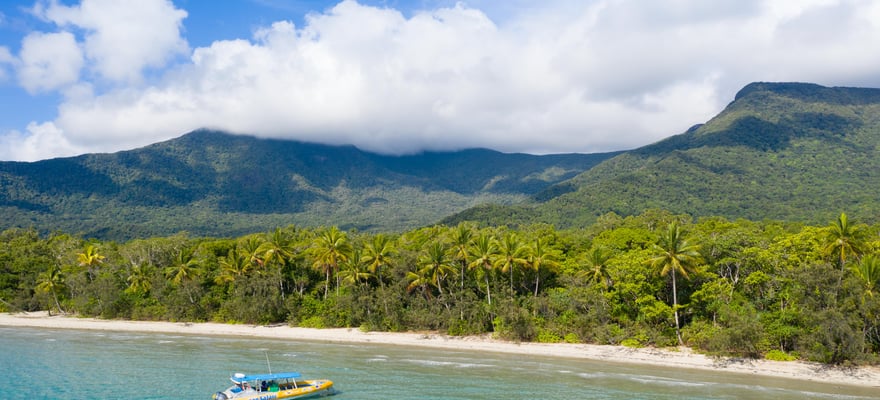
775, 290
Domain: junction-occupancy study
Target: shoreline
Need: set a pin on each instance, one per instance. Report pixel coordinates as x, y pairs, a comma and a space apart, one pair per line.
868, 376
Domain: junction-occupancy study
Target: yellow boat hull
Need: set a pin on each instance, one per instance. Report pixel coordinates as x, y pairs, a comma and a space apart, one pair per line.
302, 389
312, 388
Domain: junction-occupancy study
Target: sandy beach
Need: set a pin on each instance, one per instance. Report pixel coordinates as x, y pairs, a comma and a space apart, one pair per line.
678, 357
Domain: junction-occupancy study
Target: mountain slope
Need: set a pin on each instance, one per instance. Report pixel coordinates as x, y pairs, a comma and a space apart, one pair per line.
789, 151
212, 183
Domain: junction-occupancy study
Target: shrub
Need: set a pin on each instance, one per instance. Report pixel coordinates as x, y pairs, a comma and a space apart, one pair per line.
547, 336
779, 355
313, 322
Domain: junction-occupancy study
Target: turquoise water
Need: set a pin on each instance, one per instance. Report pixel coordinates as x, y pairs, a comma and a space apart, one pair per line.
69, 364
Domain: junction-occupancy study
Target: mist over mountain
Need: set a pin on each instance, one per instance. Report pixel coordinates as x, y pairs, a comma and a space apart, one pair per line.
787, 151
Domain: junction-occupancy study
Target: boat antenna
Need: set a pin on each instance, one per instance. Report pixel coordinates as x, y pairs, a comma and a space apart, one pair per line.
267, 361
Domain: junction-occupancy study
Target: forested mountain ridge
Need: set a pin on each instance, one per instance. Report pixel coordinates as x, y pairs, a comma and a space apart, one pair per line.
218, 184
784, 151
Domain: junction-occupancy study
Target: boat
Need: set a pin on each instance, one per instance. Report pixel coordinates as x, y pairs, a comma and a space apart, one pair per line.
283, 385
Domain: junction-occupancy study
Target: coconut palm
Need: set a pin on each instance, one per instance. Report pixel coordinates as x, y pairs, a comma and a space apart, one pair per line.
184, 269
844, 240
330, 248
483, 251
90, 259
675, 255
597, 271
355, 270
868, 271
51, 281
511, 255
378, 253
461, 237
250, 248
436, 264
90, 256
235, 264
139, 281
541, 256
278, 248
419, 278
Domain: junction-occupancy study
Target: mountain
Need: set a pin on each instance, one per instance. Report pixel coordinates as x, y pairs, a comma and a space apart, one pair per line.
786, 151
217, 184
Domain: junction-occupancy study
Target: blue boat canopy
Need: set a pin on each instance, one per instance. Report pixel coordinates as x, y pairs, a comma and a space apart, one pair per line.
240, 378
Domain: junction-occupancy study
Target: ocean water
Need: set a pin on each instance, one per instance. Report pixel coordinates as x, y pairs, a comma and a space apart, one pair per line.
70, 364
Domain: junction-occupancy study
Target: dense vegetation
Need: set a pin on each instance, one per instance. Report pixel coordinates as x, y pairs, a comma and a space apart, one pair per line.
783, 151
740, 288
212, 183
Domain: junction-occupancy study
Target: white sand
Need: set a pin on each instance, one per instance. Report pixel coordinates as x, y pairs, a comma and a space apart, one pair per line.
680, 357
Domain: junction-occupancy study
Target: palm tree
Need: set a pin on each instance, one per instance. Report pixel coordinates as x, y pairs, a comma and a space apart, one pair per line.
277, 250
844, 240
675, 255
541, 256
436, 264
418, 279
51, 281
462, 237
330, 248
354, 270
511, 254
250, 248
235, 264
139, 279
483, 252
868, 271
597, 261
378, 253
89, 256
184, 269
90, 259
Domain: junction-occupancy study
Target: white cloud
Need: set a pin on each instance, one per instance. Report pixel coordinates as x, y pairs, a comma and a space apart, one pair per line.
49, 61
41, 139
123, 37
564, 76
6, 59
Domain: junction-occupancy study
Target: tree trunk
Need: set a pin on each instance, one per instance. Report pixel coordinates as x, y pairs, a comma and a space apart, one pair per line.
537, 281
488, 291
326, 283
281, 285
675, 309
57, 304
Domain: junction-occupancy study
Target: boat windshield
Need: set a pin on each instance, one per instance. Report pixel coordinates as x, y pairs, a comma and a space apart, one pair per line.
265, 382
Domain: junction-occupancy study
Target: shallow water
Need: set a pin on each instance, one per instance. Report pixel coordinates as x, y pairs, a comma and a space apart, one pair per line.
71, 364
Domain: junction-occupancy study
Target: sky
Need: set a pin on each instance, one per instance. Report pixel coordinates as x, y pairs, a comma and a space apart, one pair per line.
405, 76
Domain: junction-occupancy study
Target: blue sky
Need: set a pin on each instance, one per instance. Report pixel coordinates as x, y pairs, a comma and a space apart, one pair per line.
398, 76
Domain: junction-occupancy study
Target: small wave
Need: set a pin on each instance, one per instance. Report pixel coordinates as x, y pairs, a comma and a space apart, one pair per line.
657, 380
643, 379
435, 363
593, 375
